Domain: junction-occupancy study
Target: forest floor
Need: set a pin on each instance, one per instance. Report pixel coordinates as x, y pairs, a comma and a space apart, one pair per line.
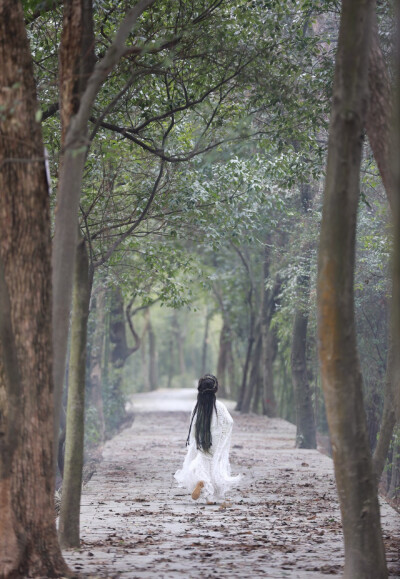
282, 521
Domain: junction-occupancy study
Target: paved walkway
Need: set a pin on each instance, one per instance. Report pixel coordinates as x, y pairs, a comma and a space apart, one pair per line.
283, 521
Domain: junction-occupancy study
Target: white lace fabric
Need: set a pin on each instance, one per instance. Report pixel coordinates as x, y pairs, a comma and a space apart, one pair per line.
212, 468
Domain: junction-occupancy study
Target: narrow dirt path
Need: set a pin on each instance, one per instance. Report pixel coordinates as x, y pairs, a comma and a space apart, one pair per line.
283, 520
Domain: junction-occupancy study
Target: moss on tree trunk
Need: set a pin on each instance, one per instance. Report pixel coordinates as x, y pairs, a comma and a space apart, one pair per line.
73, 462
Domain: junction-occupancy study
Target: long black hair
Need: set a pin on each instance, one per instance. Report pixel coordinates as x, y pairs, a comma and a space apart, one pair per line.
207, 389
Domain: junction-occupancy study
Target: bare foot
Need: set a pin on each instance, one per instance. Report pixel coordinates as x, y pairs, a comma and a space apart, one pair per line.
197, 491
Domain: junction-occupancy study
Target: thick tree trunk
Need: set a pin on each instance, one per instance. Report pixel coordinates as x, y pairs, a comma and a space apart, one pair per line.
28, 537
305, 423
340, 370
395, 306
68, 529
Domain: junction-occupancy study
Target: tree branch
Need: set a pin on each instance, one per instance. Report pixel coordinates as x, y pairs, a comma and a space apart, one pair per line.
135, 223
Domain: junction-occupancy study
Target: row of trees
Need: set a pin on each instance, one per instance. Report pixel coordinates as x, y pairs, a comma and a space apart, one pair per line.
185, 143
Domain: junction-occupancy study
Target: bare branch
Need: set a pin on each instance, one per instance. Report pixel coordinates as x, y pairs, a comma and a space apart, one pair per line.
135, 223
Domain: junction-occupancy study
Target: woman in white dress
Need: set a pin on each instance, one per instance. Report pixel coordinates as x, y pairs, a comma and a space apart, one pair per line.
206, 469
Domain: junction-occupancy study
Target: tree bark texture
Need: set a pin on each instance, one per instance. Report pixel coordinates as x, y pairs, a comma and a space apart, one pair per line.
68, 196
68, 529
395, 305
28, 537
340, 369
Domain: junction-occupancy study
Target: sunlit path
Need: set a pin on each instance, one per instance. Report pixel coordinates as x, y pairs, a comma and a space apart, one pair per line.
282, 522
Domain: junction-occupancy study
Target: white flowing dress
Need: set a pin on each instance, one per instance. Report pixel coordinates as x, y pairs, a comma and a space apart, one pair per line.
212, 468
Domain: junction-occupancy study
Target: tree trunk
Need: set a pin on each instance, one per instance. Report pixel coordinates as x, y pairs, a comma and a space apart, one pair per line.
388, 420
224, 359
380, 112
153, 373
171, 371
243, 386
143, 353
394, 488
340, 370
269, 351
257, 397
305, 423
96, 355
395, 305
28, 537
68, 197
68, 529
254, 374
205, 345
269, 339
179, 342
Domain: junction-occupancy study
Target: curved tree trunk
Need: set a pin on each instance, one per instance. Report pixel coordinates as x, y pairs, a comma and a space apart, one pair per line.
340, 370
68, 529
28, 537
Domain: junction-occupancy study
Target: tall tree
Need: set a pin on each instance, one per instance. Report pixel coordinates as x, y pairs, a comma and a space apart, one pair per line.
76, 64
341, 374
68, 196
28, 538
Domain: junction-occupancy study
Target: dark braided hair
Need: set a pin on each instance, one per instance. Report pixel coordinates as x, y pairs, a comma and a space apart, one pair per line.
207, 388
